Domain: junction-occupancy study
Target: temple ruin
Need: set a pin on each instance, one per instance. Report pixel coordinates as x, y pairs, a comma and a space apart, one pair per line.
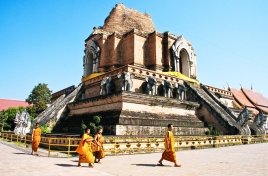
139, 80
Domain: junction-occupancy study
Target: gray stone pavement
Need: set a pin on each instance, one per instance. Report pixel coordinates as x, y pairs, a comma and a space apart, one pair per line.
236, 160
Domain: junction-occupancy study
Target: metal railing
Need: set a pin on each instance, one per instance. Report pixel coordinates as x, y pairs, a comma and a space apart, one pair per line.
136, 145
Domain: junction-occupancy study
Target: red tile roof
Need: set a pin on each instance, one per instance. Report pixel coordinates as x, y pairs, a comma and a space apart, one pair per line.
243, 100
257, 99
6, 103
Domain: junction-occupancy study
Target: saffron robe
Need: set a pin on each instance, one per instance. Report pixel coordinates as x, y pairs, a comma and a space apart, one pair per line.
36, 138
99, 151
169, 154
84, 150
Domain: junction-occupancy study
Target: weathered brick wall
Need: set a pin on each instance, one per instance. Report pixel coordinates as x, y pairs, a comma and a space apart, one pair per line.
123, 19
149, 52
128, 49
129, 37
139, 49
210, 119
159, 58
157, 130
110, 50
117, 52
131, 113
92, 91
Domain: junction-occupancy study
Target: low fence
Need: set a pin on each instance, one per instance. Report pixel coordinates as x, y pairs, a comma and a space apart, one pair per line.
135, 145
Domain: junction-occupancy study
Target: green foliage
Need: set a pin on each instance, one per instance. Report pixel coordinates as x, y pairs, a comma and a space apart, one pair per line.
94, 126
32, 111
83, 127
40, 97
45, 129
7, 118
2, 120
213, 131
96, 119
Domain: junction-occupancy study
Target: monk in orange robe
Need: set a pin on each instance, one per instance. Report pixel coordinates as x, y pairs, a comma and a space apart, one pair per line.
99, 151
169, 154
85, 150
36, 137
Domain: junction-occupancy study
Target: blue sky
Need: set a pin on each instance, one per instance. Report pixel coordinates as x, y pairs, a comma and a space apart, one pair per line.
43, 41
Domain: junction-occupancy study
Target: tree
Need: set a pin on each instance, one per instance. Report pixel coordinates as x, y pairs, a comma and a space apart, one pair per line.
95, 125
39, 97
7, 118
32, 112
3, 120
83, 127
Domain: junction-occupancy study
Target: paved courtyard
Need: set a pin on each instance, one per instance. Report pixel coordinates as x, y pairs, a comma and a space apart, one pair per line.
236, 160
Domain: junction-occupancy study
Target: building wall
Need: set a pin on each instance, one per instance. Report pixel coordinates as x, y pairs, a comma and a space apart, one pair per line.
110, 51
157, 108
139, 48
127, 46
156, 130
159, 58
210, 119
152, 51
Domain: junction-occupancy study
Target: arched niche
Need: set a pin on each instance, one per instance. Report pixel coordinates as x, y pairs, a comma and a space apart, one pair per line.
183, 57
91, 58
184, 62
88, 65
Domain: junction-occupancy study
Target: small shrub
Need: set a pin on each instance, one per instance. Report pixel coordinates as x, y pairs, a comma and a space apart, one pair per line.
45, 129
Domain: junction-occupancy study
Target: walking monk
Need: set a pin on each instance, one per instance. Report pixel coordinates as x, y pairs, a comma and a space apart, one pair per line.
99, 151
36, 136
84, 149
169, 153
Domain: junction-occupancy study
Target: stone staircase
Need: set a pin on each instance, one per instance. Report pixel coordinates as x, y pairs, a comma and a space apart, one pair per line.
215, 112
52, 111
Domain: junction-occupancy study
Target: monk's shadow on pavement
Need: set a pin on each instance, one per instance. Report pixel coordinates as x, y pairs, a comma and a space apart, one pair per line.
150, 165
66, 165
75, 161
21, 153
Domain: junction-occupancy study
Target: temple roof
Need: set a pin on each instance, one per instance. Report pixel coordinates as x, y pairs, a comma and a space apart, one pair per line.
242, 100
6, 103
257, 99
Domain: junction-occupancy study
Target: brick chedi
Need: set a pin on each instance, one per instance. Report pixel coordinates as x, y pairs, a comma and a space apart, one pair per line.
125, 82
123, 19
139, 80
128, 37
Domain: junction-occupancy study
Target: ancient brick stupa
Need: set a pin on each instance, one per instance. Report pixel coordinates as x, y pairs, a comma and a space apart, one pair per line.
121, 58
139, 80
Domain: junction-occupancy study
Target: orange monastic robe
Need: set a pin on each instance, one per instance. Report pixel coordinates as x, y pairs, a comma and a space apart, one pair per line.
84, 150
169, 153
99, 152
36, 139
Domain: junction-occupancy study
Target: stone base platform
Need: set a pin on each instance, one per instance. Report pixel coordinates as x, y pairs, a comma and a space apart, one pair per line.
128, 113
